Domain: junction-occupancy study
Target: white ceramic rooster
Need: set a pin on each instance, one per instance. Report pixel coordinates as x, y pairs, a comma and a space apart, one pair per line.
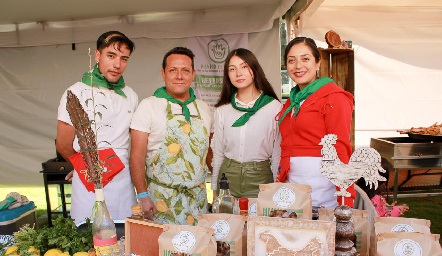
364, 162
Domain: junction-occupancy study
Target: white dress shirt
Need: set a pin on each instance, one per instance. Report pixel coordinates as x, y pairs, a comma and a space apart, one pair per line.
257, 140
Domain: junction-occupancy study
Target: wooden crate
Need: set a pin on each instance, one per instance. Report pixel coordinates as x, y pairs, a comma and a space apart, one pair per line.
338, 64
142, 237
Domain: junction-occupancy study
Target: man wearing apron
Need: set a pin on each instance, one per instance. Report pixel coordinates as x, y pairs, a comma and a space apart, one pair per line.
169, 144
115, 102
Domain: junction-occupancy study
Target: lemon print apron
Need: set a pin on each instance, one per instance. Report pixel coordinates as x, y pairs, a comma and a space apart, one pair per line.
176, 174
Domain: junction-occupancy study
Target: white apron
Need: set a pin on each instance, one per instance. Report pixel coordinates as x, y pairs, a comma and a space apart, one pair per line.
305, 170
119, 194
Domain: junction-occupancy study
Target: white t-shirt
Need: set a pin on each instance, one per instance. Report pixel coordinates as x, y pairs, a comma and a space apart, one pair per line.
150, 117
257, 140
113, 132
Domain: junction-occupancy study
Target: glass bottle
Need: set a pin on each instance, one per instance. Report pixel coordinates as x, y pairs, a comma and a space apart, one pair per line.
137, 212
225, 202
104, 233
243, 204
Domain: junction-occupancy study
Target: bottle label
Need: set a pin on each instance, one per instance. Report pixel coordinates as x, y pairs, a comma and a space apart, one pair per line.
284, 197
402, 228
106, 250
407, 247
104, 242
184, 241
222, 229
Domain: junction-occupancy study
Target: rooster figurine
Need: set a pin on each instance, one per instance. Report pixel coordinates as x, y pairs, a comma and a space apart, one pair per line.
364, 162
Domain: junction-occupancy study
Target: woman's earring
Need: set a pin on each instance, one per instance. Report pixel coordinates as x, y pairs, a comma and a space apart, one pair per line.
317, 73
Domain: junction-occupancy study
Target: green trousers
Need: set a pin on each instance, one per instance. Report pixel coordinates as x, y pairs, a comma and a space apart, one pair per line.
244, 178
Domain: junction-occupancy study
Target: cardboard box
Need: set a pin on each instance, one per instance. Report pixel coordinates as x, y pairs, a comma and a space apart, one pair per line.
141, 237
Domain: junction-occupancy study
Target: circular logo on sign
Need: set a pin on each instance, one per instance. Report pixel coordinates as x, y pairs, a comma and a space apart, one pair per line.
253, 209
184, 241
402, 228
221, 228
407, 247
284, 197
218, 50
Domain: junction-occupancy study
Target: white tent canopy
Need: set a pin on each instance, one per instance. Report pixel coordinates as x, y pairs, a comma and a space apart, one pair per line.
52, 22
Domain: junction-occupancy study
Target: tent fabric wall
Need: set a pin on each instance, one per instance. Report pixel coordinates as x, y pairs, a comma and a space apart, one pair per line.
166, 19
32, 80
398, 67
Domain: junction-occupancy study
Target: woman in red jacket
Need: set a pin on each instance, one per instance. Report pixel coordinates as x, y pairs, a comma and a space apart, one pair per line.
316, 107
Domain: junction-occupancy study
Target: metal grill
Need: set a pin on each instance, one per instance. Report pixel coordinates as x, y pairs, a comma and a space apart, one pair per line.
415, 158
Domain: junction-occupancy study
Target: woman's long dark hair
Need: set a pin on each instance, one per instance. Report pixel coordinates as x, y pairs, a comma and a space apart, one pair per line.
259, 78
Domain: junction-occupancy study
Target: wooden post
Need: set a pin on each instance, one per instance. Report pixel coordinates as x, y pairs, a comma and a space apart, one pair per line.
345, 231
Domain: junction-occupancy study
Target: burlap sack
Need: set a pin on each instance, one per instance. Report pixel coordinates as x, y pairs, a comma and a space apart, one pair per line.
361, 223
408, 244
293, 198
228, 233
401, 224
182, 240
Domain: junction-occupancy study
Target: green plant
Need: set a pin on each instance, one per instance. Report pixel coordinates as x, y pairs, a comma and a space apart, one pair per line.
5, 244
64, 235
24, 239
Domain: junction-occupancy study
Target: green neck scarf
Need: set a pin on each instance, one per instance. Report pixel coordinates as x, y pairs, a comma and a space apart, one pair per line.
262, 100
96, 79
162, 93
297, 95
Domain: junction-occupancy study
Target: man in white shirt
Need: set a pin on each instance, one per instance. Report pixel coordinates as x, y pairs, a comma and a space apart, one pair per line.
169, 144
111, 110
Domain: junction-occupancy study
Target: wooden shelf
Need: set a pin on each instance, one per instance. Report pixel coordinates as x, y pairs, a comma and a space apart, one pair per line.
338, 64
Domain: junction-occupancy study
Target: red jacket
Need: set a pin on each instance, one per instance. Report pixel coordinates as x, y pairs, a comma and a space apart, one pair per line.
328, 110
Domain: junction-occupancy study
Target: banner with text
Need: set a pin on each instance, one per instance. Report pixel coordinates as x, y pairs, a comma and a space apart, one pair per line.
210, 53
